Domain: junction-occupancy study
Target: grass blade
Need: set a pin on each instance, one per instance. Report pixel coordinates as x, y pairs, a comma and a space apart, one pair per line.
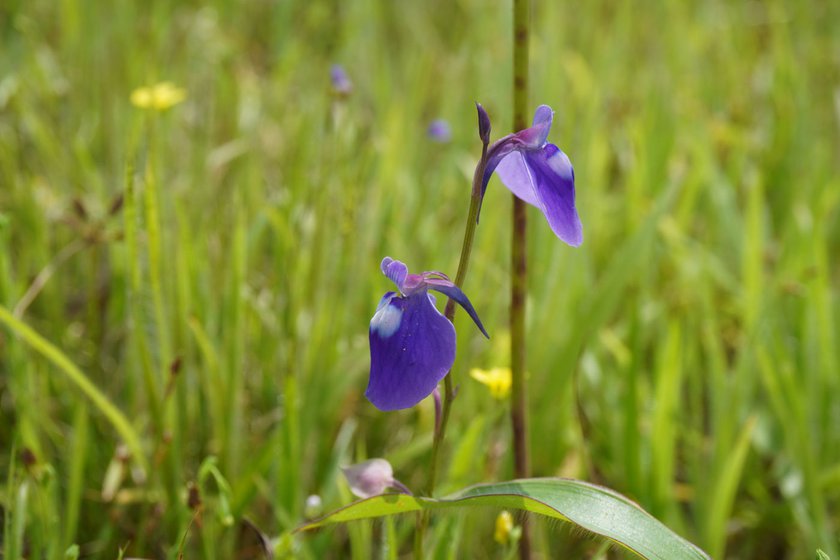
66, 366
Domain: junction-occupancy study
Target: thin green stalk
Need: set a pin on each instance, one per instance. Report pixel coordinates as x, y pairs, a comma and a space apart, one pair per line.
167, 410
135, 312
77, 458
518, 284
449, 313
153, 234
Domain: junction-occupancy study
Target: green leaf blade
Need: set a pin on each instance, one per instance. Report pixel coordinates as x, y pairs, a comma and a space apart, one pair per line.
594, 508
597, 509
369, 508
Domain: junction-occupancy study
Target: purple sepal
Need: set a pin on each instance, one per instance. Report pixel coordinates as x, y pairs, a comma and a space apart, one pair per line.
449, 289
412, 347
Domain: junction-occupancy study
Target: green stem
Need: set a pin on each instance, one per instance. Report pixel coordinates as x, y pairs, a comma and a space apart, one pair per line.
519, 247
449, 312
166, 408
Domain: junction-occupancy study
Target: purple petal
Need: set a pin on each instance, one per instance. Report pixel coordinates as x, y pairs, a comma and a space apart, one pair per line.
449, 289
396, 271
515, 175
412, 347
543, 115
384, 301
535, 137
545, 179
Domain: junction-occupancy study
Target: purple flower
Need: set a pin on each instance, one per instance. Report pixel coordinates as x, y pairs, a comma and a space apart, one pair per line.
439, 131
341, 83
538, 173
412, 346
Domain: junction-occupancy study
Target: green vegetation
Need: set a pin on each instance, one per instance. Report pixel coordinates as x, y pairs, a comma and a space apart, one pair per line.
197, 282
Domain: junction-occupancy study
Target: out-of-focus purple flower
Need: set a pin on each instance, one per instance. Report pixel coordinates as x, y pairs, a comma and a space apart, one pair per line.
412, 345
341, 83
538, 173
439, 131
372, 478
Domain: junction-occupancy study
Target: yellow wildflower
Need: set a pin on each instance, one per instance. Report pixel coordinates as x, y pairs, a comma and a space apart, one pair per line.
504, 528
498, 380
159, 97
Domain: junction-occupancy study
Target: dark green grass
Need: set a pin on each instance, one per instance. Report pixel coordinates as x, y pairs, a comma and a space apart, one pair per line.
686, 355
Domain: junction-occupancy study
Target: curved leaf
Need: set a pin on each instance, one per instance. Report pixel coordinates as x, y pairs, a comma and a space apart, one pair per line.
72, 371
591, 507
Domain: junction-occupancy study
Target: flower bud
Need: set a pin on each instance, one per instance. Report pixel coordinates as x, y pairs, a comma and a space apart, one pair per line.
313, 507
483, 124
369, 478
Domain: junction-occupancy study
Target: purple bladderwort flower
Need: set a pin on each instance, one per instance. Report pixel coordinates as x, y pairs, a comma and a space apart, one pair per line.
340, 81
439, 131
412, 345
535, 171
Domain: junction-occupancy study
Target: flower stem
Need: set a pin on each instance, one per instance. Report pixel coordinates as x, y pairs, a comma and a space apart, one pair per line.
449, 313
519, 248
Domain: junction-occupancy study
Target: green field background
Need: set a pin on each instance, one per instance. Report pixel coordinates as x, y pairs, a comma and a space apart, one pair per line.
211, 269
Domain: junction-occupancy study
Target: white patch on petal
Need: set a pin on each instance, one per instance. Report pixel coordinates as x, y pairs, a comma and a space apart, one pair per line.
560, 164
386, 321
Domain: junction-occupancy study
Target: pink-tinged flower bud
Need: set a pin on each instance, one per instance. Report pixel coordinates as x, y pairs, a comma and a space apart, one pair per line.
372, 478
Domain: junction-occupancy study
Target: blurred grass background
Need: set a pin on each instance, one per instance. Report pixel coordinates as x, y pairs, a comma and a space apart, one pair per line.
212, 268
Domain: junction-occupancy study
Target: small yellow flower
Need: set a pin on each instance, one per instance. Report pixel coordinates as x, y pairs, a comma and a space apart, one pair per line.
159, 97
504, 527
498, 380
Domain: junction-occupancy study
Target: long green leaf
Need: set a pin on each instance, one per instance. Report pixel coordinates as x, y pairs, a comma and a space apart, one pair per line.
594, 508
74, 374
